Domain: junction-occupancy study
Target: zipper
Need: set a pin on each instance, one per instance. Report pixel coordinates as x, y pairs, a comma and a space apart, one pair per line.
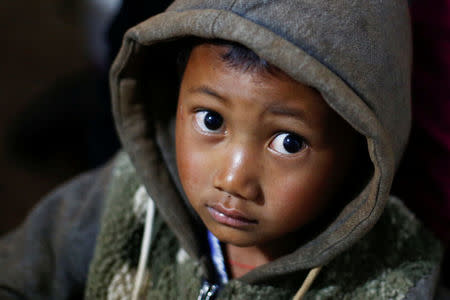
208, 291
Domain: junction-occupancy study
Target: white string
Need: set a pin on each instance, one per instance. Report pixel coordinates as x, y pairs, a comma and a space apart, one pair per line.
145, 248
307, 283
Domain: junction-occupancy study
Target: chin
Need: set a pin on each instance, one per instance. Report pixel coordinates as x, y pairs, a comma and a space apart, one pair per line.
239, 243
238, 239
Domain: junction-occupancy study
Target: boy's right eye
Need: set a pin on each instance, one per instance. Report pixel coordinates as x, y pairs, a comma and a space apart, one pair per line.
209, 121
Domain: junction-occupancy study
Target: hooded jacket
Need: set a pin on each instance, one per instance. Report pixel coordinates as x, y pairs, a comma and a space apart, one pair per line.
357, 54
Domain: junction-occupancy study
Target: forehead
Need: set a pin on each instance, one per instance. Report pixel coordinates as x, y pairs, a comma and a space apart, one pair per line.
207, 72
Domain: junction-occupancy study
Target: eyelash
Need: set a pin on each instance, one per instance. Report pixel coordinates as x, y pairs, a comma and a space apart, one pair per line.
298, 143
216, 124
200, 120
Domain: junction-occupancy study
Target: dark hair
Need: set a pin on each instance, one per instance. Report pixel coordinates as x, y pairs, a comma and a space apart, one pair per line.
238, 56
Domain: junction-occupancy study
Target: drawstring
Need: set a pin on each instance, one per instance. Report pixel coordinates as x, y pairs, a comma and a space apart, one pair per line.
145, 248
307, 283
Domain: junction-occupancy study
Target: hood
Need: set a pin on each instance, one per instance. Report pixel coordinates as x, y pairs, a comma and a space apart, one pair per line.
357, 54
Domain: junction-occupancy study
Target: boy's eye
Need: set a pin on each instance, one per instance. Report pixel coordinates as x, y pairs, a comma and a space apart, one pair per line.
208, 120
288, 143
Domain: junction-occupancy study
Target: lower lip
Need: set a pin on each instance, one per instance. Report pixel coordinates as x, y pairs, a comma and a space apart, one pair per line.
230, 221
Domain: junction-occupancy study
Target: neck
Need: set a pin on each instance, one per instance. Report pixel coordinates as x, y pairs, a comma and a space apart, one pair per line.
242, 260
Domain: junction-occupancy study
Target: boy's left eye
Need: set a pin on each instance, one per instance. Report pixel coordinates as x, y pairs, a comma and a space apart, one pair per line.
209, 121
288, 143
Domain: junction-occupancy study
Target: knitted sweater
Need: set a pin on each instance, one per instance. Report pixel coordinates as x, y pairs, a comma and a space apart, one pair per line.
398, 259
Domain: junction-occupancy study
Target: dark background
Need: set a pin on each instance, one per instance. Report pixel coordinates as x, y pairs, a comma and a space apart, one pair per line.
55, 114
40, 43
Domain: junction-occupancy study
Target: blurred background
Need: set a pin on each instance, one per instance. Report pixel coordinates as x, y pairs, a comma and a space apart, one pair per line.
41, 44
55, 119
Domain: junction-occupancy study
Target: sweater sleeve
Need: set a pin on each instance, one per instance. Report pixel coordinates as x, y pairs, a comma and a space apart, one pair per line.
48, 256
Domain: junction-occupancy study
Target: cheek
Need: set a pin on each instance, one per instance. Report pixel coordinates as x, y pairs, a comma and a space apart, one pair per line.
193, 168
298, 196
189, 173
292, 198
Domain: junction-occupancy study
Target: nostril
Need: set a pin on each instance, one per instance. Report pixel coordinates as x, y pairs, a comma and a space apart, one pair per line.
251, 192
224, 190
218, 188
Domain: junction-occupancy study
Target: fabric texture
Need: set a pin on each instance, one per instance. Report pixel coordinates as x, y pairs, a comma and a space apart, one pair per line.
48, 256
388, 263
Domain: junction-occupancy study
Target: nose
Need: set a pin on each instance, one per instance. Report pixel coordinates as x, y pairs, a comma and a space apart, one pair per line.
237, 174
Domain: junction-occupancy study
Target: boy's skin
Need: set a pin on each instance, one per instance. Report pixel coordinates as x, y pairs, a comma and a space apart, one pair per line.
252, 188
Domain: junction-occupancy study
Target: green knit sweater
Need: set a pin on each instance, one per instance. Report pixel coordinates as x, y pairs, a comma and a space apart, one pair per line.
386, 264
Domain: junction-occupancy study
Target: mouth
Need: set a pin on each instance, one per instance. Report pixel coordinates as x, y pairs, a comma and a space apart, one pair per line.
230, 217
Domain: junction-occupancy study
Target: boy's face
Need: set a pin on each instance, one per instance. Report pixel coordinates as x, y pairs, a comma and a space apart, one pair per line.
259, 155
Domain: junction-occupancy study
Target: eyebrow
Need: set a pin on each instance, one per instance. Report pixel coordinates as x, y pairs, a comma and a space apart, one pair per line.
203, 89
281, 110
275, 109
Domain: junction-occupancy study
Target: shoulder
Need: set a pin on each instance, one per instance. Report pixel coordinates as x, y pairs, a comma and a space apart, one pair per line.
48, 256
397, 259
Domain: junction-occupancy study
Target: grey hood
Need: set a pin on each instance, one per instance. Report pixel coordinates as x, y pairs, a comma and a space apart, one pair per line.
357, 54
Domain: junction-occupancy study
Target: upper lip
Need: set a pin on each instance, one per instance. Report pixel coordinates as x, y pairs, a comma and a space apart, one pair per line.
233, 213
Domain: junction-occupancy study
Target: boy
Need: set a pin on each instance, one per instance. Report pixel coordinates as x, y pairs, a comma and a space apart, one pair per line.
284, 153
